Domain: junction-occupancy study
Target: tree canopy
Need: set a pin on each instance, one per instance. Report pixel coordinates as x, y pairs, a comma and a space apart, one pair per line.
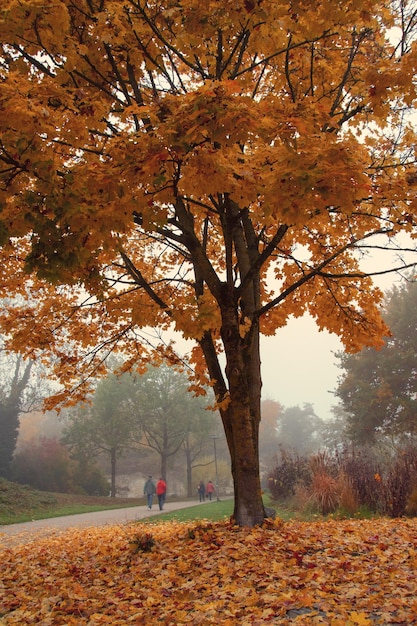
108, 426
378, 387
300, 429
209, 168
168, 417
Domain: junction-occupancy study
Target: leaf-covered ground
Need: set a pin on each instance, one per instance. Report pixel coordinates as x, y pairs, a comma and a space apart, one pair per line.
332, 572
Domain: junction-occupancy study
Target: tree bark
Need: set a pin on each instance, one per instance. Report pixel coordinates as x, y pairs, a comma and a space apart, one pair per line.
243, 426
113, 473
189, 468
241, 420
240, 410
9, 414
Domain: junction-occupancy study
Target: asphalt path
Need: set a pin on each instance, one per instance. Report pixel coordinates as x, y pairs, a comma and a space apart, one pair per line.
15, 534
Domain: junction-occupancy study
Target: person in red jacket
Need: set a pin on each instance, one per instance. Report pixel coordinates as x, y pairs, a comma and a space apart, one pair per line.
210, 490
161, 490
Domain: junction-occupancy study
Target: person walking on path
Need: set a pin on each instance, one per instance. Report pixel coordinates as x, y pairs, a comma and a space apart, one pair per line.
210, 489
201, 491
149, 490
161, 490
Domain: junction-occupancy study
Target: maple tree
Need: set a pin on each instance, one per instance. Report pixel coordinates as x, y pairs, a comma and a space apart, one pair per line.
209, 168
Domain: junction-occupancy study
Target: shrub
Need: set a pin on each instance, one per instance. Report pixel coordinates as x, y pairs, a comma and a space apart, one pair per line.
301, 500
411, 508
348, 501
349, 480
290, 470
363, 471
45, 465
48, 466
384, 488
323, 463
90, 479
400, 483
325, 492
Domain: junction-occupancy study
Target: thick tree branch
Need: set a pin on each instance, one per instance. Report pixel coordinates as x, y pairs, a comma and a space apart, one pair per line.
263, 257
198, 255
142, 282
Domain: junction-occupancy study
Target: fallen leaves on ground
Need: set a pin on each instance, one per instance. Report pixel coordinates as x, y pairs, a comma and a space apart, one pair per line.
342, 573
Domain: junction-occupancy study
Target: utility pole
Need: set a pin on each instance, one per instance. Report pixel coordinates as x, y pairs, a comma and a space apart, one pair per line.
214, 437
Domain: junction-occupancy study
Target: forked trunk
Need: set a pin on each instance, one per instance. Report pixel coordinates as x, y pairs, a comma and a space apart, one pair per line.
240, 397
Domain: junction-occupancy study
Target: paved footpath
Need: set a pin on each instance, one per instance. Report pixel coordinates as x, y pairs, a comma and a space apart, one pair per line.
15, 534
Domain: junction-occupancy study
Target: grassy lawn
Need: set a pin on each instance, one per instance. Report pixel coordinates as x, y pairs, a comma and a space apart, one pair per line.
58, 511
214, 511
19, 503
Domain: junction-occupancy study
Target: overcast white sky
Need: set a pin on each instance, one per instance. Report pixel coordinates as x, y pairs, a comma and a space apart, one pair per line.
298, 363
298, 366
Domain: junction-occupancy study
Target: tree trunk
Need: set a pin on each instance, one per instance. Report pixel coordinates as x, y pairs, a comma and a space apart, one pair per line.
241, 415
9, 414
164, 465
240, 399
190, 491
113, 473
241, 422
9, 429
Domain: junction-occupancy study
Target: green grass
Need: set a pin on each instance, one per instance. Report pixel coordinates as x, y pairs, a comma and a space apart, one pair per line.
57, 511
213, 511
19, 503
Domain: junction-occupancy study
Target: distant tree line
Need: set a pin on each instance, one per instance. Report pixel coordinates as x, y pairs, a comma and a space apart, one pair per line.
152, 415
154, 410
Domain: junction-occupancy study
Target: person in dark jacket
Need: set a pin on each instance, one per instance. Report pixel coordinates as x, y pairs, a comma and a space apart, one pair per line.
201, 491
148, 490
